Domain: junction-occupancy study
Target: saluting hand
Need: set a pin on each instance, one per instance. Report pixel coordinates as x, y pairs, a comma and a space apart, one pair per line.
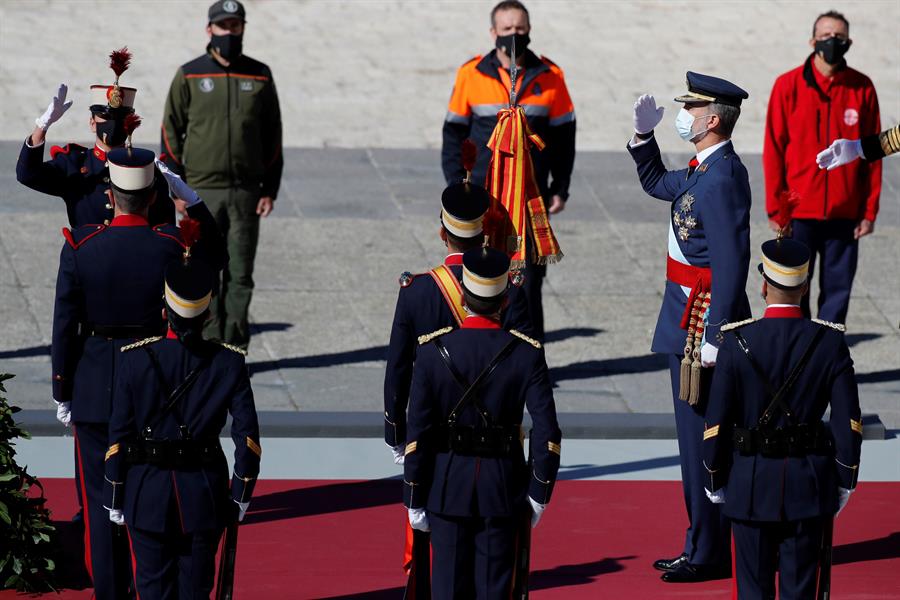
646, 114
55, 110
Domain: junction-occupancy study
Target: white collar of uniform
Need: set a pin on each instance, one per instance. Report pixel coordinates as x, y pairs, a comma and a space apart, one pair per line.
706, 153
783, 306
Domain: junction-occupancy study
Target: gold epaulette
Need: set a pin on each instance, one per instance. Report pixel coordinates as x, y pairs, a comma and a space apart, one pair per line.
525, 338
237, 349
835, 326
141, 343
424, 339
730, 326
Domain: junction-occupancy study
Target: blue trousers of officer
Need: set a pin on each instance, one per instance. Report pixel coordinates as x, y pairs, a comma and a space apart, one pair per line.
708, 538
473, 557
832, 241
791, 548
105, 544
174, 565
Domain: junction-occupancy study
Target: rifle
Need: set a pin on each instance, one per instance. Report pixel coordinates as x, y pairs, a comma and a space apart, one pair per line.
823, 585
418, 584
225, 584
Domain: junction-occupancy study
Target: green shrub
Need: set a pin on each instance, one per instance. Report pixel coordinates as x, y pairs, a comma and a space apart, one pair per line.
26, 535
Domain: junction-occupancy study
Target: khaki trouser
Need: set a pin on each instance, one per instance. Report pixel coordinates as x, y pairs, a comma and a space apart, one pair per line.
235, 212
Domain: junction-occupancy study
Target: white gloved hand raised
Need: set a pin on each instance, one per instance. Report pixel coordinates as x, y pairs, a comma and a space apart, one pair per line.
64, 412
242, 509
177, 186
55, 110
716, 497
840, 152
116, 516
708, 355
646, 114
418, 519
399, 453
843, 499
537, 509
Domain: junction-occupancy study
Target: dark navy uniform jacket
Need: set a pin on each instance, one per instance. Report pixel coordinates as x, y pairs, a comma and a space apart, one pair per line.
452, 484
81, 178
793, 488
717, 236
112, 277
421, 309
146, 493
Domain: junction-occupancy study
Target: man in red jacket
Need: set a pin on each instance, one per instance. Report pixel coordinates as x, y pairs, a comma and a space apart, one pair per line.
810, 107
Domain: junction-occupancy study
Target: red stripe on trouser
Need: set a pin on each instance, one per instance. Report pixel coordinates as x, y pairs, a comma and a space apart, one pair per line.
734, 590
85, 509
137, 592
408, 547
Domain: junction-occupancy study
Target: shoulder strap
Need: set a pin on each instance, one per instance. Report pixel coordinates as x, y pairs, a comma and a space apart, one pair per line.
451, 290
175, 395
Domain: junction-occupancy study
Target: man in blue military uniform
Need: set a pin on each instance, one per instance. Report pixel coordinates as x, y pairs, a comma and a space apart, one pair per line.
80, 176
787, 473
708, 256
166, 473
428, 302
107, 295
465, 475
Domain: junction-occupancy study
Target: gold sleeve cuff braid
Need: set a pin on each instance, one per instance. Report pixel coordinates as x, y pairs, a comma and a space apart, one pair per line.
890, 140
554, 448
410, 448
711, 432
856, 426
254, 447
113, 450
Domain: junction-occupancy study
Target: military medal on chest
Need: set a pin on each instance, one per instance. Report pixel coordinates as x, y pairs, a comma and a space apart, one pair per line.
683, 218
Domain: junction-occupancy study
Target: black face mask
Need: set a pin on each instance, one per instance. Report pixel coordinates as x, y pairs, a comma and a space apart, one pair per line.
505, 43
112, 132
228, 46
833, 49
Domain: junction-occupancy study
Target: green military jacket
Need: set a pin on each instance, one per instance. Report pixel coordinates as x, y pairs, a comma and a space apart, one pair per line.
222, 126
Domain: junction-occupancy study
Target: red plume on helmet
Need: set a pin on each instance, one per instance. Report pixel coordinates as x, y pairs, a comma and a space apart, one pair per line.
132, 122
788, 201
469, 154
119, 60
190, 233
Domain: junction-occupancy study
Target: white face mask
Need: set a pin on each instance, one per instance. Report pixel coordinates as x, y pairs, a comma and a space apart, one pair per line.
684, 121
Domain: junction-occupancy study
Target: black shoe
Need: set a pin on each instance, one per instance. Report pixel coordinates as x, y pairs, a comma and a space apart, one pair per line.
669, 564
688, 573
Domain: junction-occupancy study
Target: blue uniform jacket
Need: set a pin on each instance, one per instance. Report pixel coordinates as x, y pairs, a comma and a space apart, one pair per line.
774, 489
113, 277
421, 309
81, 178
718, 194
146, 494
451, 484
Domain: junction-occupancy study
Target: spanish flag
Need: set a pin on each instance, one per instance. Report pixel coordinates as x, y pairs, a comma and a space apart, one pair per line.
518, 209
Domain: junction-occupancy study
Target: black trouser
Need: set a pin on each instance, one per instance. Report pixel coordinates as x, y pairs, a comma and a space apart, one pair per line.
833, 241
105, 544
473, 557
789, 547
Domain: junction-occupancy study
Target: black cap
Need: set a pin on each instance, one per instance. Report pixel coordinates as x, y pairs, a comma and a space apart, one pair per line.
463, 206
785, 263
706, 88
227, 9
189, 285
485, 273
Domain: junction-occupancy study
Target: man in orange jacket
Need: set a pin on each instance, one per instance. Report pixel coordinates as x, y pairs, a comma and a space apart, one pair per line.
481, 89
810, 107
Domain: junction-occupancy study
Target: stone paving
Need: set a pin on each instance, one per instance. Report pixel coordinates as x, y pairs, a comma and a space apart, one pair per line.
363, 87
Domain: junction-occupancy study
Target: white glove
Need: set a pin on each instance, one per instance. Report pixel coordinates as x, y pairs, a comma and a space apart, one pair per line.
418, 519
646, 114
537, 509
843, 499
840, 152
64, 412
55, 110
708, 355
242, 509
116, 516
177, 186
716, 497
399, 453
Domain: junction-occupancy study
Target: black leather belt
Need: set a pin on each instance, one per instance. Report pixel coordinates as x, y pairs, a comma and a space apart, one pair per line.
121, 332
795, 440
177, 455
499, 441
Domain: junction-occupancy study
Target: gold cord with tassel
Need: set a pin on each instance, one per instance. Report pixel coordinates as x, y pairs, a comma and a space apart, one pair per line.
685, 374
696, 365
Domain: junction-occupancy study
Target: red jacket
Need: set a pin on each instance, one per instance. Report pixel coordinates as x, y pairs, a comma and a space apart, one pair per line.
807, 111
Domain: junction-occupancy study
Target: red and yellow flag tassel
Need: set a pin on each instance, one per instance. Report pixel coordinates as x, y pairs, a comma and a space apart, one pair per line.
511, 182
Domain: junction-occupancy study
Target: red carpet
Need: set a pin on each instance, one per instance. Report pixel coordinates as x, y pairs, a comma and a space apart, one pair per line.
326, 539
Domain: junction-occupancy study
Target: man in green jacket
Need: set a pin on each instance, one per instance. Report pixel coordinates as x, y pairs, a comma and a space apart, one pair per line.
222, 131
